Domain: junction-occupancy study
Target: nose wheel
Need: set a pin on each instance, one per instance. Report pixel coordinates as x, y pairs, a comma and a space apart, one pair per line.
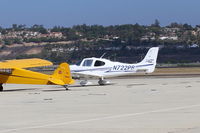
85, 82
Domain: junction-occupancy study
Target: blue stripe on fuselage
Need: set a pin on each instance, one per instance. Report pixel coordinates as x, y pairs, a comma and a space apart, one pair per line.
101, 69
94, 69
137, 66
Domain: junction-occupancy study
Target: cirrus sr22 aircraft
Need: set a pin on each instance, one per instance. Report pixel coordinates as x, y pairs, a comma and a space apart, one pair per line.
103, 68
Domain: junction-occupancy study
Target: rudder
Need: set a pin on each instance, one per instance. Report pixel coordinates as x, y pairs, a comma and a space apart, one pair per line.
151, 56
63, 73
149, 62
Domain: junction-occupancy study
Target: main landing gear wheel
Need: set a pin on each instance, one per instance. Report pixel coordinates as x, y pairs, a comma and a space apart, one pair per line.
66, 87
103, 82
1, 87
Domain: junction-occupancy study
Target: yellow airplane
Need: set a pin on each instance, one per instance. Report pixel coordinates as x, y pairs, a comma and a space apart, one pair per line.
12, 71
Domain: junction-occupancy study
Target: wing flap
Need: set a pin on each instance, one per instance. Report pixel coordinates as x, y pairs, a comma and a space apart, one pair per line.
24, 63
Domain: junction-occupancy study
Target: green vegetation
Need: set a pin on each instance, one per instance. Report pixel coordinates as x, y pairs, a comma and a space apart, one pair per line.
133, 34
128, 42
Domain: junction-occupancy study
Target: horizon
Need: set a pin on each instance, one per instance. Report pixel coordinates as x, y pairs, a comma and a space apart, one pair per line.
29, 26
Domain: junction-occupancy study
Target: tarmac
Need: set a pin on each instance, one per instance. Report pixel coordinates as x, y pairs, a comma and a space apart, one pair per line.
128, 105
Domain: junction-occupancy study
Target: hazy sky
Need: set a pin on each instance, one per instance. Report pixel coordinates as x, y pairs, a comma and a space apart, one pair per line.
103, 12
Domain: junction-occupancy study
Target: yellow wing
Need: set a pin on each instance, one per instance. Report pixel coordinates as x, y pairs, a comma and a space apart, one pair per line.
24, 63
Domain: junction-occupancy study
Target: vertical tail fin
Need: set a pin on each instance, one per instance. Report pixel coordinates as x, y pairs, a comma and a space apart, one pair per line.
62, 75
149, 61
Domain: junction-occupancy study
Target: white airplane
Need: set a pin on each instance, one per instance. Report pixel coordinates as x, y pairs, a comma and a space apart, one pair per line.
103, 68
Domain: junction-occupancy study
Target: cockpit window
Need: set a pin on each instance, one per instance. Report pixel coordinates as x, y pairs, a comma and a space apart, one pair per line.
99, 63
87, 63
78, 63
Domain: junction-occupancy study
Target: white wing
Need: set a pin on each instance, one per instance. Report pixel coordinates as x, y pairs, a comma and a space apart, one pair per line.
88, 74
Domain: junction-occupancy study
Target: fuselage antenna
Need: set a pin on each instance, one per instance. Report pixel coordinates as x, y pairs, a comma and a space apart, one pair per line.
102, 55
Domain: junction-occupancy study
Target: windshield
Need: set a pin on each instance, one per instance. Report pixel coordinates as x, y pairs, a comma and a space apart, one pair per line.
87, 63
99, 63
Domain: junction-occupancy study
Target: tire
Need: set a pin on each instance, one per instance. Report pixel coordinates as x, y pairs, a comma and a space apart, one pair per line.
1, 88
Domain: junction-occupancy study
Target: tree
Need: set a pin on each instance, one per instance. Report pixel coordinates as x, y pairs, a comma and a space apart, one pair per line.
187, 27
39, 28
156, 23
57, 29
14, 26
22, 26
175, 25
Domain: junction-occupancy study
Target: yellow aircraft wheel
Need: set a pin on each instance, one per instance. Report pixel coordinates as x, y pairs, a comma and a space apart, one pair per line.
66, 87
1, 87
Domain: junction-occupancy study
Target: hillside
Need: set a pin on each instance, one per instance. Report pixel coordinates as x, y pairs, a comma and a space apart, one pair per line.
178, 42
